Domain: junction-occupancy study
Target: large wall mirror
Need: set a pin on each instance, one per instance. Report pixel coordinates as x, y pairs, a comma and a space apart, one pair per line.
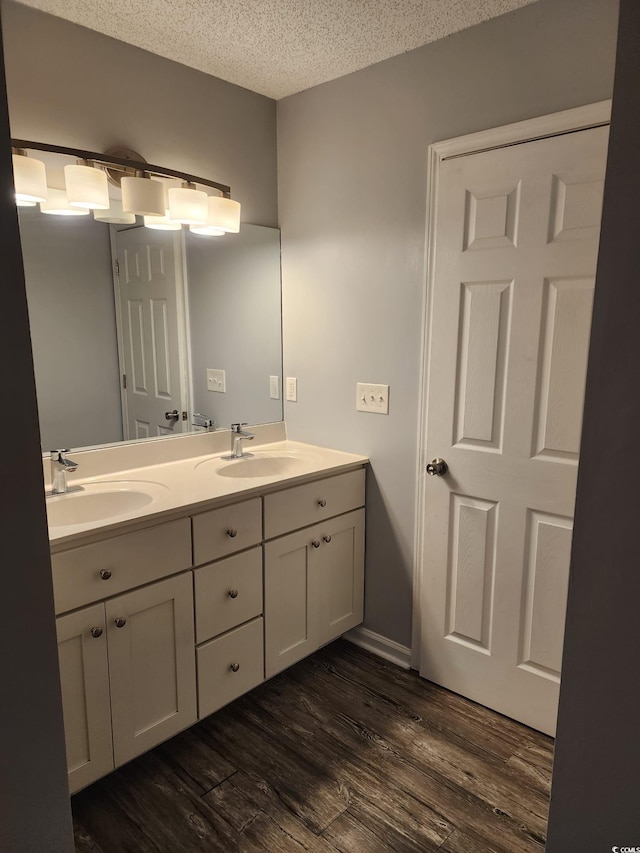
135, 331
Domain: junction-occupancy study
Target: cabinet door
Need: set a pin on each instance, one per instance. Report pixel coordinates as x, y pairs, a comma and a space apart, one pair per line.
151, 665
84, 678
339, 563
291, 598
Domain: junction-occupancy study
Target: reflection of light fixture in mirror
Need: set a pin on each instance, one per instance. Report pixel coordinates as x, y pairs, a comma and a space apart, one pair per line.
58, 205
30, 179
187, 205
142, 195
211, 228
206, 230
115, 215
161, 223
224, 213
86, 186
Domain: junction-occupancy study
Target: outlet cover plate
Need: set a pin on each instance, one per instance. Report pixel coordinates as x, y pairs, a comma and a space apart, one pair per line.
216, 380
372, 398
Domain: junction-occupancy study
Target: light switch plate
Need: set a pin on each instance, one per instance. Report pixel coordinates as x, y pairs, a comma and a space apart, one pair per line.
292, 389
372, 398
274, 387
216, 380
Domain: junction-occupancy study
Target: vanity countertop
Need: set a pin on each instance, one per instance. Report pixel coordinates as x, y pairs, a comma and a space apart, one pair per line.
172, 489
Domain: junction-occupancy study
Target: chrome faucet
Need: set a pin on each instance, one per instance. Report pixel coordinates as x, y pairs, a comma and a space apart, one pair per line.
238, 435
60, 467
204, 422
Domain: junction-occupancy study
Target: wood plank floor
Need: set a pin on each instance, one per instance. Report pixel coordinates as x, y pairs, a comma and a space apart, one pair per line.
342, 752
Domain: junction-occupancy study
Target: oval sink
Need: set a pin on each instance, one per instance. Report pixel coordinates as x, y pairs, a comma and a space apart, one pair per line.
261, 464
99, 501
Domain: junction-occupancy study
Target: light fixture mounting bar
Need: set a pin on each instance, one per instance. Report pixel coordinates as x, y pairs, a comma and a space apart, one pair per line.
105, 160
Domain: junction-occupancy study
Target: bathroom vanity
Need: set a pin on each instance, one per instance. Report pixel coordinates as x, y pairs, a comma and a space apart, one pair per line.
232, 571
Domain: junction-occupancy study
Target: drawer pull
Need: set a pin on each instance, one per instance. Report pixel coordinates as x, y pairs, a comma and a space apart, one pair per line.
235, 667
316, 543
232, 533
105, 574
327, 538
322, 502
120, 622
96, 632
233, 593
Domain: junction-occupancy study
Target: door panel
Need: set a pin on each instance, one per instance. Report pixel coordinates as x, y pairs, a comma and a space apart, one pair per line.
515, 257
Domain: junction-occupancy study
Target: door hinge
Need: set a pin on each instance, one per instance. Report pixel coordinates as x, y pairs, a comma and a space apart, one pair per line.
184, 416
117, 265
124, 381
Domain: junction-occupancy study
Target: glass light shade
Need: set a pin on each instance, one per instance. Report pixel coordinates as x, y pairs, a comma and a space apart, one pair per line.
206, 230
187, 206
143, 196
58, 205
30, 180
87, 187
115, 215
224, 213
25, 203
161, 223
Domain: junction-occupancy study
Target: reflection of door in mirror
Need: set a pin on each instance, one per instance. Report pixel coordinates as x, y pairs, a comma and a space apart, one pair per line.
149, 309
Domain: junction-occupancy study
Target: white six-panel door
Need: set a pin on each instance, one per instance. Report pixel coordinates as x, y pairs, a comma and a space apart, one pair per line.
515, 258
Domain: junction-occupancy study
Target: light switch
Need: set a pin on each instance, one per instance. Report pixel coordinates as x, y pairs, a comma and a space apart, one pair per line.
372, 398
292, 389
274, 387
216, 380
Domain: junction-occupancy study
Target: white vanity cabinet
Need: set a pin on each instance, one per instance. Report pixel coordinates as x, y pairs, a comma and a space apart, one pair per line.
127, 663
314, 577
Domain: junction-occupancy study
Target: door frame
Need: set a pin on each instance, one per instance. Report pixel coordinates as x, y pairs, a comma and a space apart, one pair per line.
555, 124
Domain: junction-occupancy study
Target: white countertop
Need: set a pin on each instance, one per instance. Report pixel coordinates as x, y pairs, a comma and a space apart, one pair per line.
192, 485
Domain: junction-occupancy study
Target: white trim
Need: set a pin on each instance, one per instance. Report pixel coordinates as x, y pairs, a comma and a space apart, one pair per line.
568, 121
379, 645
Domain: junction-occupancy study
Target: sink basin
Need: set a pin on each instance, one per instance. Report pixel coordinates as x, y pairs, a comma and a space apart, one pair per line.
95, 502
261, 464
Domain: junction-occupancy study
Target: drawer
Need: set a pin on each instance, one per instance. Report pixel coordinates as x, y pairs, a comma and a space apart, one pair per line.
220, 532
228, 593
303, 505
229, 666
126, 561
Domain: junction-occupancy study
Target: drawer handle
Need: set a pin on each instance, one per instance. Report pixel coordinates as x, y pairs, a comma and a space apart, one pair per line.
235, 667
327, 538
322, 502
105, 574
316, 543
120, 622
96, 632
233, 593
232, 533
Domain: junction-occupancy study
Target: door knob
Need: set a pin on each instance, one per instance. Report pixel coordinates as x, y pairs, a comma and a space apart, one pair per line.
172, 416
437, 467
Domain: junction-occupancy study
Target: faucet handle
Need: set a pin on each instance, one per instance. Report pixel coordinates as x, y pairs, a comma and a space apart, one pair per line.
57, 454
237, 427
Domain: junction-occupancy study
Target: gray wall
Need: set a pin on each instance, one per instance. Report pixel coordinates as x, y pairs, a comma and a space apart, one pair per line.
71, 86
235, 322
34, 804
67, 264
352, 158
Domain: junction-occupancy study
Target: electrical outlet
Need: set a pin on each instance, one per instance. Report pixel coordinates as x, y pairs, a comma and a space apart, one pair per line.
292, 389
216, 380
372, 398
274, 387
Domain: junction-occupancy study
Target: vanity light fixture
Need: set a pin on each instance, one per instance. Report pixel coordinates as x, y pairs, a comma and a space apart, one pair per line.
87, 190
187, 204
115, 215
57, 204
87, 186
30, 179
206, 230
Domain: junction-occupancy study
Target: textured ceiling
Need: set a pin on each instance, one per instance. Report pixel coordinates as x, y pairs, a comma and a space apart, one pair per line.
277, 47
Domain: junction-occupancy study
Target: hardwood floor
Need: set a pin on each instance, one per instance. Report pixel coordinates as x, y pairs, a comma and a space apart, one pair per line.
342, 752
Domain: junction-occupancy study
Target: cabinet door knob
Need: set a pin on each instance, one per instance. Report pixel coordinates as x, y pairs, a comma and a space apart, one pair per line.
322, 502
105, 574
327, 538
96, 632
316, 543
232, 533
235, 667
120, 622
233, 593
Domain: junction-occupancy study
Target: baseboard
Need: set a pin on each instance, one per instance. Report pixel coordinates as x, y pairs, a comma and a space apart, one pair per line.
379, 645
